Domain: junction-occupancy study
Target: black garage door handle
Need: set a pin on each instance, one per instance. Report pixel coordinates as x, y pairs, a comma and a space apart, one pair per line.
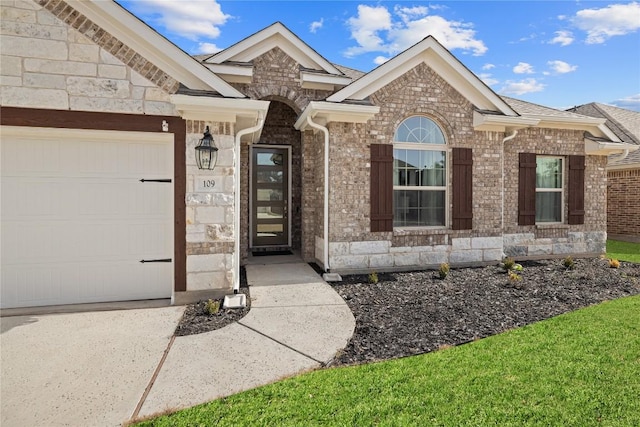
144, 261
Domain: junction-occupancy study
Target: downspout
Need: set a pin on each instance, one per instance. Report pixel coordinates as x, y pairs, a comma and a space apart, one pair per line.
325, 248
504, 140
622, 156
236, 201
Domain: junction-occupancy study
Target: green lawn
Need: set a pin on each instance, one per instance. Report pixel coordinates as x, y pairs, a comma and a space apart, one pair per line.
623, 251
578, 369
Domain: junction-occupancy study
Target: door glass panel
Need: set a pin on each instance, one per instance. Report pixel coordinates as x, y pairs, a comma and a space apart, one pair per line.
270, 159
269, 194
270, 229
270, 176
270, 212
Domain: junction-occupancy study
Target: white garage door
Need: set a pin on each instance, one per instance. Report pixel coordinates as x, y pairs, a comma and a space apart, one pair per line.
77, 221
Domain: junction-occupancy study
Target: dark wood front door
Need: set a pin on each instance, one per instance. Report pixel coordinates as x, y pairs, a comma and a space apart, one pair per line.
270, 197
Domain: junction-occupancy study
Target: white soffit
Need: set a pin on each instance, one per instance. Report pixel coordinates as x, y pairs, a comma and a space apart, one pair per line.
604, 148
214, 109
154, 47
276, 35
431, 52
500, 123
326, 112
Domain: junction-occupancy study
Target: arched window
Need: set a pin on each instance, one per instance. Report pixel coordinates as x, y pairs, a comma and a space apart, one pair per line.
419, 174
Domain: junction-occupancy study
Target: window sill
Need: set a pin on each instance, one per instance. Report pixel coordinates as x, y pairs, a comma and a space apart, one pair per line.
417, 231
552, 226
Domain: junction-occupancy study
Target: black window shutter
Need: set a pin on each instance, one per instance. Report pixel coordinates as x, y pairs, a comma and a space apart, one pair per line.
381, 187
527, 189
462, 185
576, 189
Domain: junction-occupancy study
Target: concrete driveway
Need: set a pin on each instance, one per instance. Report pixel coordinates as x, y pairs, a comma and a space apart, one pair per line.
103, 368
80, 369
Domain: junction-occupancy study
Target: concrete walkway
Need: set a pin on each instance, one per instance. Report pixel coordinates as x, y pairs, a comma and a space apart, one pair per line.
96, 370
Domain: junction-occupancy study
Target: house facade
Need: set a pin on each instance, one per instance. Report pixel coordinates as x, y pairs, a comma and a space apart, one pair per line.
413, 164
623, 170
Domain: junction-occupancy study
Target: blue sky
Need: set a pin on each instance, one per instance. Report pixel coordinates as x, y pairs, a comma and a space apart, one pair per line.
555, 53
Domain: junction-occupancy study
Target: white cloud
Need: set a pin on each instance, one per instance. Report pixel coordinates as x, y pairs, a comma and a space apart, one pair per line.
376, 29
488, 66
316, 25
192, 19
563, 38
523, 68
630, 103
207, 48
379, 60
488, 79
365, 29
613, 20
521, 87
561, 67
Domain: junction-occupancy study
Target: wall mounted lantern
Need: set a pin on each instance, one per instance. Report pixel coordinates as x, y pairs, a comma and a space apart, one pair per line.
206, 152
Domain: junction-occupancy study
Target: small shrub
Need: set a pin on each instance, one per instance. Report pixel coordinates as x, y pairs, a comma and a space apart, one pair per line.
514, 277
614, 263
569, 263
508, 263
443, 271
373, 277
212, 306
517, 267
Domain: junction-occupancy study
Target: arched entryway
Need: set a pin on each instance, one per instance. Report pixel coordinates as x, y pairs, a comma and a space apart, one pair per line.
272, 184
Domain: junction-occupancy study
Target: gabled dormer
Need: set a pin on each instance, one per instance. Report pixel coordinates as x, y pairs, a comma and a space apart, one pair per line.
235, 64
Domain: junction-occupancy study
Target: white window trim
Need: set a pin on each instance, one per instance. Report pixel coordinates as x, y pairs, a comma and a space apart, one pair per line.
560, 190
427, 147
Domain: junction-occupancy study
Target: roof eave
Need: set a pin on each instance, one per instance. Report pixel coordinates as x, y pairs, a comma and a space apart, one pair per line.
501, 123
327, 112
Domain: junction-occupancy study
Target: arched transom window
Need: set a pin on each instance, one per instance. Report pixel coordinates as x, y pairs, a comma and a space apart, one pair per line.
419, 174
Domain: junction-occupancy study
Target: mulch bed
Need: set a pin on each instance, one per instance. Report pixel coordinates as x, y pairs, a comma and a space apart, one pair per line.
196, 320
412, 313
416, 312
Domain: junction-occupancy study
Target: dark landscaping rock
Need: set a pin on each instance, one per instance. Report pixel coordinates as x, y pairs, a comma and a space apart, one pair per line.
412, 313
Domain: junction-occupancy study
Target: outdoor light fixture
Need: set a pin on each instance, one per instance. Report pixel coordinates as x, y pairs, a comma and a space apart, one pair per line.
206, 152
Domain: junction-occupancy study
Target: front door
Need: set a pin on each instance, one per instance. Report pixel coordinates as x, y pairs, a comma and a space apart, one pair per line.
270, 196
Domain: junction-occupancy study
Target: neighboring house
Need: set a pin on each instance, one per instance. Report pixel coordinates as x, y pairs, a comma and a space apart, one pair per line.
411, 165
623, 170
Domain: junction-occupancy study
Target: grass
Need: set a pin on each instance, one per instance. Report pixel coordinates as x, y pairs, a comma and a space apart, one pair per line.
623, 251
578, 369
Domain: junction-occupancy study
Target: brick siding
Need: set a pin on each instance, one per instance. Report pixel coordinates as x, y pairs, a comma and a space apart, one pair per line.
623, 202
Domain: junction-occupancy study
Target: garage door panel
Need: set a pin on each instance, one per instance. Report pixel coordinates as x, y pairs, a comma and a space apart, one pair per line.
76, 220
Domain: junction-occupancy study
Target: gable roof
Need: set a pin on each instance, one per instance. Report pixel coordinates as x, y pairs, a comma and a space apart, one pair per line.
625, 124
275, 35
148, 43
436, 56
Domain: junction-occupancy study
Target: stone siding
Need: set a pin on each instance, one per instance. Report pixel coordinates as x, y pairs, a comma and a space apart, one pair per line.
210, 211
623, 202
54, 57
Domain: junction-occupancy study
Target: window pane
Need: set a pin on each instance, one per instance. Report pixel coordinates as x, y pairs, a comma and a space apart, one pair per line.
434, 163
419, 168
548, 206
418, 129
414, 208
548, 172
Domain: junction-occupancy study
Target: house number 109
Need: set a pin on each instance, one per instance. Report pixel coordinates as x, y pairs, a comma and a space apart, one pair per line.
205, 184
